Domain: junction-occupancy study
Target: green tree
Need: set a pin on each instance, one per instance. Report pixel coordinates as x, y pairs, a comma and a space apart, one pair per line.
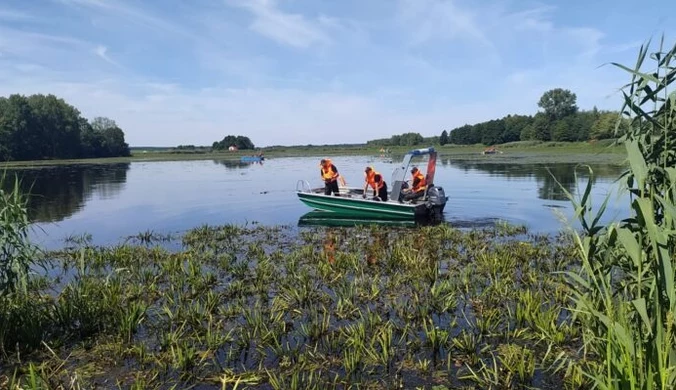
56, 123
44, 126
558, 103
411, 139
604, 126
541, 128
492, 132
241, 142
514, 126
111, 138
562, 131
443, 138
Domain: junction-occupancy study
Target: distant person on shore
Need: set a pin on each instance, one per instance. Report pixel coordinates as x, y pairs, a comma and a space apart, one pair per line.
376, 181
418, 186
330, 175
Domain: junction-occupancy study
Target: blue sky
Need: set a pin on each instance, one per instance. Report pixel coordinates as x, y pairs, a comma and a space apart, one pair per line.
318, 71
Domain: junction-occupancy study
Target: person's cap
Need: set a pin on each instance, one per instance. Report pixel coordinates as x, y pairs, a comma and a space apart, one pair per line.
368, 169
414, 169
323, 161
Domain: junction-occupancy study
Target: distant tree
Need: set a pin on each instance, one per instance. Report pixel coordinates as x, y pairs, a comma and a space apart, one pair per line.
91, 140
410, 139
558, 103
605, 125
527, 133
241, 142
492, 132
562, 131
443, 138
463, 135
111, 138
514, 126
542, 127
44, 126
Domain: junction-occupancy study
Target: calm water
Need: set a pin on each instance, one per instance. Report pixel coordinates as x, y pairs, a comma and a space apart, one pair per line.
112, 202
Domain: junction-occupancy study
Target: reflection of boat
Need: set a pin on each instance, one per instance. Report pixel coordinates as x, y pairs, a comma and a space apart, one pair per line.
251, 158
323, 218
351, 203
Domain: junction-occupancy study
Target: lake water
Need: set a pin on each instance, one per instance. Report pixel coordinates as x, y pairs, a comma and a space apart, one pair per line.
114, 201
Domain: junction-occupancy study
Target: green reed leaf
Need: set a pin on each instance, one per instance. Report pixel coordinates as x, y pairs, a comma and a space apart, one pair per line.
637, 164
640, 305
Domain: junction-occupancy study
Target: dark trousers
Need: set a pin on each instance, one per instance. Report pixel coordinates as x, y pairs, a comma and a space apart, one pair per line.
414, 195
382, 193
331, 187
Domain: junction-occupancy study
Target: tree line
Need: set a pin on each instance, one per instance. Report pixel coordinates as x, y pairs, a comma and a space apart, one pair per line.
560, 119
406, 139
40, 127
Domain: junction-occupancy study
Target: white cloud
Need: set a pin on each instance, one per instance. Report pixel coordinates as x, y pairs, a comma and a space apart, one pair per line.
102, 52
14, 15
286, 28
355, 82
440, 20
127, 12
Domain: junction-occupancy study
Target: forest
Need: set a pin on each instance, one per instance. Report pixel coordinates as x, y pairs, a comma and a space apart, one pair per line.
41, 127
559, 119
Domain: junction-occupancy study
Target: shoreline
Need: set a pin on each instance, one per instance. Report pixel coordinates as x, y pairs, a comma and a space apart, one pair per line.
518, 153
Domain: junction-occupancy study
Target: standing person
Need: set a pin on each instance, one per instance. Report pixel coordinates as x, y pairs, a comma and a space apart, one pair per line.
330, 175
376, 181
418, 185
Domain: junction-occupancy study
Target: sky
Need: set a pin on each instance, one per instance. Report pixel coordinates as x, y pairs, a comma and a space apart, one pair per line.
289, 72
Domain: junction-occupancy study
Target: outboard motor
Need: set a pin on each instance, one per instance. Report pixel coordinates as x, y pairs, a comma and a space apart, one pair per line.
436, 198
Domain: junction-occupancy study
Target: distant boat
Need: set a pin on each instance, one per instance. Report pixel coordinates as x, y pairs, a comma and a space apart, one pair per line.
352, 204
251, 158
491, 150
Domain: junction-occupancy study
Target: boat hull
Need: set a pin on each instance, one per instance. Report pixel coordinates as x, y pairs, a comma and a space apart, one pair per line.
251, 159
364, 208
324, 218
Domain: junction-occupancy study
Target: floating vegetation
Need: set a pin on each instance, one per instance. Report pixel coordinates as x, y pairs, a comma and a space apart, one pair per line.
321, 308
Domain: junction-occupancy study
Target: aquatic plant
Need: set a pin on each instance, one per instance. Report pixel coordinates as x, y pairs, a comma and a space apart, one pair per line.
624, 293
16, 252
264, 306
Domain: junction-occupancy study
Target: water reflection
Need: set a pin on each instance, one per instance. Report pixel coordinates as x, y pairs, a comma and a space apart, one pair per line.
57, 192
323, 218
236, 164
546, 175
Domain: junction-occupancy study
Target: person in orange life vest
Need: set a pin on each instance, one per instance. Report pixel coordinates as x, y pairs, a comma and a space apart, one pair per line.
418, 185
329, 174
376, 181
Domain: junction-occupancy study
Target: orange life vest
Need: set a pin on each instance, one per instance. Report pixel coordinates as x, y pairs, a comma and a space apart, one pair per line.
327, 172
371, 180
421, 185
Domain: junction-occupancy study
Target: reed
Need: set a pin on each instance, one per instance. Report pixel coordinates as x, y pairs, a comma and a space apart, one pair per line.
623, 293
17, 254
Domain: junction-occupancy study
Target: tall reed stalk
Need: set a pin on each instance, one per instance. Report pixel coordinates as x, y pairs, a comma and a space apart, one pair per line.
624, 291
16, 252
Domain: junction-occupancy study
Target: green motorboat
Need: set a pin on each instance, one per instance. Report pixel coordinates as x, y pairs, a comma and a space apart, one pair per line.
351, 203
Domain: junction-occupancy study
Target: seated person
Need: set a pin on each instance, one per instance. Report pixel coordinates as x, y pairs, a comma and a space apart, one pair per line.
376, 181
418, 186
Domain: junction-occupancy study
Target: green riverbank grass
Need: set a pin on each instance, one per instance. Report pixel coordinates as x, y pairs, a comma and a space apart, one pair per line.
517, 152
329, 308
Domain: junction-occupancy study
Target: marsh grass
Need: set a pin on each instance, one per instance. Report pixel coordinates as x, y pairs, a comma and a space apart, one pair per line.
268, 307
